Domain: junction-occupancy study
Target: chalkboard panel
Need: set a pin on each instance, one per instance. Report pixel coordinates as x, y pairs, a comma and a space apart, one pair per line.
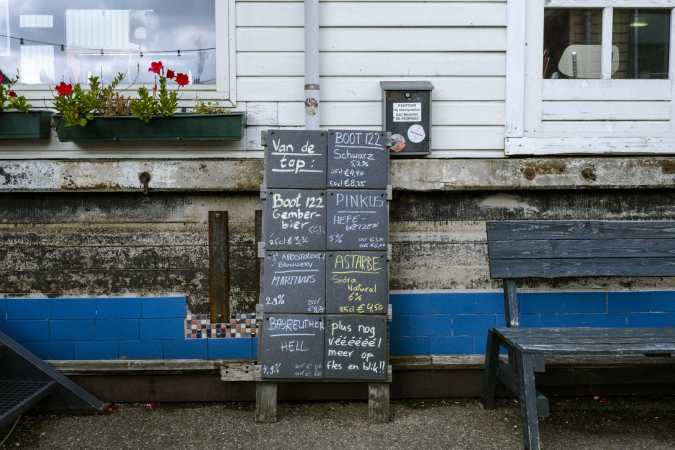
358, 283
294, 282
356, 347
357, 159
295, 220
358, 220
292, 347
295, 159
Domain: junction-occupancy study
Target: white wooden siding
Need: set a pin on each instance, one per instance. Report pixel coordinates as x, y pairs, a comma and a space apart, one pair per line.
457, 45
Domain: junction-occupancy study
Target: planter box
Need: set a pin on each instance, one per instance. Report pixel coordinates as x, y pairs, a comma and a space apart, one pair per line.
181, 127
30, 125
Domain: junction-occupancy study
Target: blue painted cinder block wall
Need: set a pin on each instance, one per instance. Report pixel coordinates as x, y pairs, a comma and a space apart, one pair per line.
443, 323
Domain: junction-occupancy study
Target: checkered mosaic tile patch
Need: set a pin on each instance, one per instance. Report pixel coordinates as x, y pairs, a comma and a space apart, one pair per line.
199, 326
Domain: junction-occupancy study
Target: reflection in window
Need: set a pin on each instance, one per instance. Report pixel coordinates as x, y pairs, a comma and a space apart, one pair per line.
573, 43
642, 37
55, 40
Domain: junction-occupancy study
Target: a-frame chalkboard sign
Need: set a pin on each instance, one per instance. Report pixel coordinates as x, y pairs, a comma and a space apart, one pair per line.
324, 306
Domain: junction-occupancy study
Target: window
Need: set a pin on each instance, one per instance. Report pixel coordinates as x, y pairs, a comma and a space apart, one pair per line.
590, 76
572, 43
48, 41
642, 40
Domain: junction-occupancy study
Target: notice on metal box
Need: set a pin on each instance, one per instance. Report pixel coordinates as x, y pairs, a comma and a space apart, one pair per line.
407, 112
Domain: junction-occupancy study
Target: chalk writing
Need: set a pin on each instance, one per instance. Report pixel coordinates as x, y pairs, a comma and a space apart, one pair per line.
357, 220
295, 220
294, 282
292, 346
295, 159
357, 160
358, 283
356, 347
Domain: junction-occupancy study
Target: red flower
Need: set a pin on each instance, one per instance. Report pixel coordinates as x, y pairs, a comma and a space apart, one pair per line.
2, 78
182, 79
64, 89
12, 94
170, 74
156, 67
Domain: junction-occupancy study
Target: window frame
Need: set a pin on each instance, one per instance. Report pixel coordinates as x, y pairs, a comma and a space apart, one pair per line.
526, 89
223, 91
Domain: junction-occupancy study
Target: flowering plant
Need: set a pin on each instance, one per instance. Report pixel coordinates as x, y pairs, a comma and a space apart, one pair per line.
9, 99
78, 106
161, 102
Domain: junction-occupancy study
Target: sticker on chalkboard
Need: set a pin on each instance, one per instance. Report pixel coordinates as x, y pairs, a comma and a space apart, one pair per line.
357, 347
294, 282
292, 347
295, 159
358, 283
357, 159
295, 220
358, 220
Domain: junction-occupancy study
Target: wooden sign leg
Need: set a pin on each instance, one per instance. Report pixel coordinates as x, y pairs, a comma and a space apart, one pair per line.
265, 402
378, 402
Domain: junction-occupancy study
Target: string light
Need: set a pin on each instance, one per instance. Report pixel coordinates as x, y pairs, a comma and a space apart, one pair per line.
102, 52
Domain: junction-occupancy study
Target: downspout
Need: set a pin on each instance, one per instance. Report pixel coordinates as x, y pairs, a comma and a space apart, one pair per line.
312, 87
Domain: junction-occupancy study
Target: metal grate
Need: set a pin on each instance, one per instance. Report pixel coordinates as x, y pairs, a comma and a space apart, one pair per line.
14, 393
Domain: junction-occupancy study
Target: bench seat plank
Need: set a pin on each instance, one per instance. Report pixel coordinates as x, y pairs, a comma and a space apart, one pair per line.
582, 267
609, 341
575, 229
582, 248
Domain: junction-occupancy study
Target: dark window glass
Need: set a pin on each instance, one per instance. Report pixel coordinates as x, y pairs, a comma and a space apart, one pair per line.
641, 40
572, 43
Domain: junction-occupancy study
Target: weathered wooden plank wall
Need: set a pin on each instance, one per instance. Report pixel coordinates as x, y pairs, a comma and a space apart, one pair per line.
110, 244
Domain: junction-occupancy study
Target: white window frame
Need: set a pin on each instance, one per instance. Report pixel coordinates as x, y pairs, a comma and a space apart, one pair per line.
224, 90
526, 89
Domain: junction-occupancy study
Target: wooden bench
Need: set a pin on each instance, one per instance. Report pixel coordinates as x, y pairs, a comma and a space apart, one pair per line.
561, 249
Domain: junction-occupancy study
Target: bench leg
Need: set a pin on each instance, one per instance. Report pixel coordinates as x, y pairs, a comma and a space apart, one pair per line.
528, 400
489, 387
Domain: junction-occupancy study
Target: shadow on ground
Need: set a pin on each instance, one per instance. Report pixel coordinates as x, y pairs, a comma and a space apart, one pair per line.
617, 423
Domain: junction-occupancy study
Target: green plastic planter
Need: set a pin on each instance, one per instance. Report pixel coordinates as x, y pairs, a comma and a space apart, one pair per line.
21, 125
181, 127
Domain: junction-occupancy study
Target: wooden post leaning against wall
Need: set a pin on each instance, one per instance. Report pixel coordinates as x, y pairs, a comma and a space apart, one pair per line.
219, 266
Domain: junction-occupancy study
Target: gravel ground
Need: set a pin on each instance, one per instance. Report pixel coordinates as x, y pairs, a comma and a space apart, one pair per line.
575, 423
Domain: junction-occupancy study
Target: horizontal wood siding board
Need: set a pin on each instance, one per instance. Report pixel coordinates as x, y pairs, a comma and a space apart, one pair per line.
251, 39
379, 13
370, 113
573, 229
603, 110
393, 64
367, 88
582, 267
606, 90
595, 248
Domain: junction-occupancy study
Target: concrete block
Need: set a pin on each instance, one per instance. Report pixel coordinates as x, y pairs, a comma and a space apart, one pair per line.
111, 329
239, 348
97, 350
162, 329
28, 309
26, 330
452, 345
118, 308
185, 349
69, 308
645, 301
140, 349
163, 307
473, 325
406, 346
72, 330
